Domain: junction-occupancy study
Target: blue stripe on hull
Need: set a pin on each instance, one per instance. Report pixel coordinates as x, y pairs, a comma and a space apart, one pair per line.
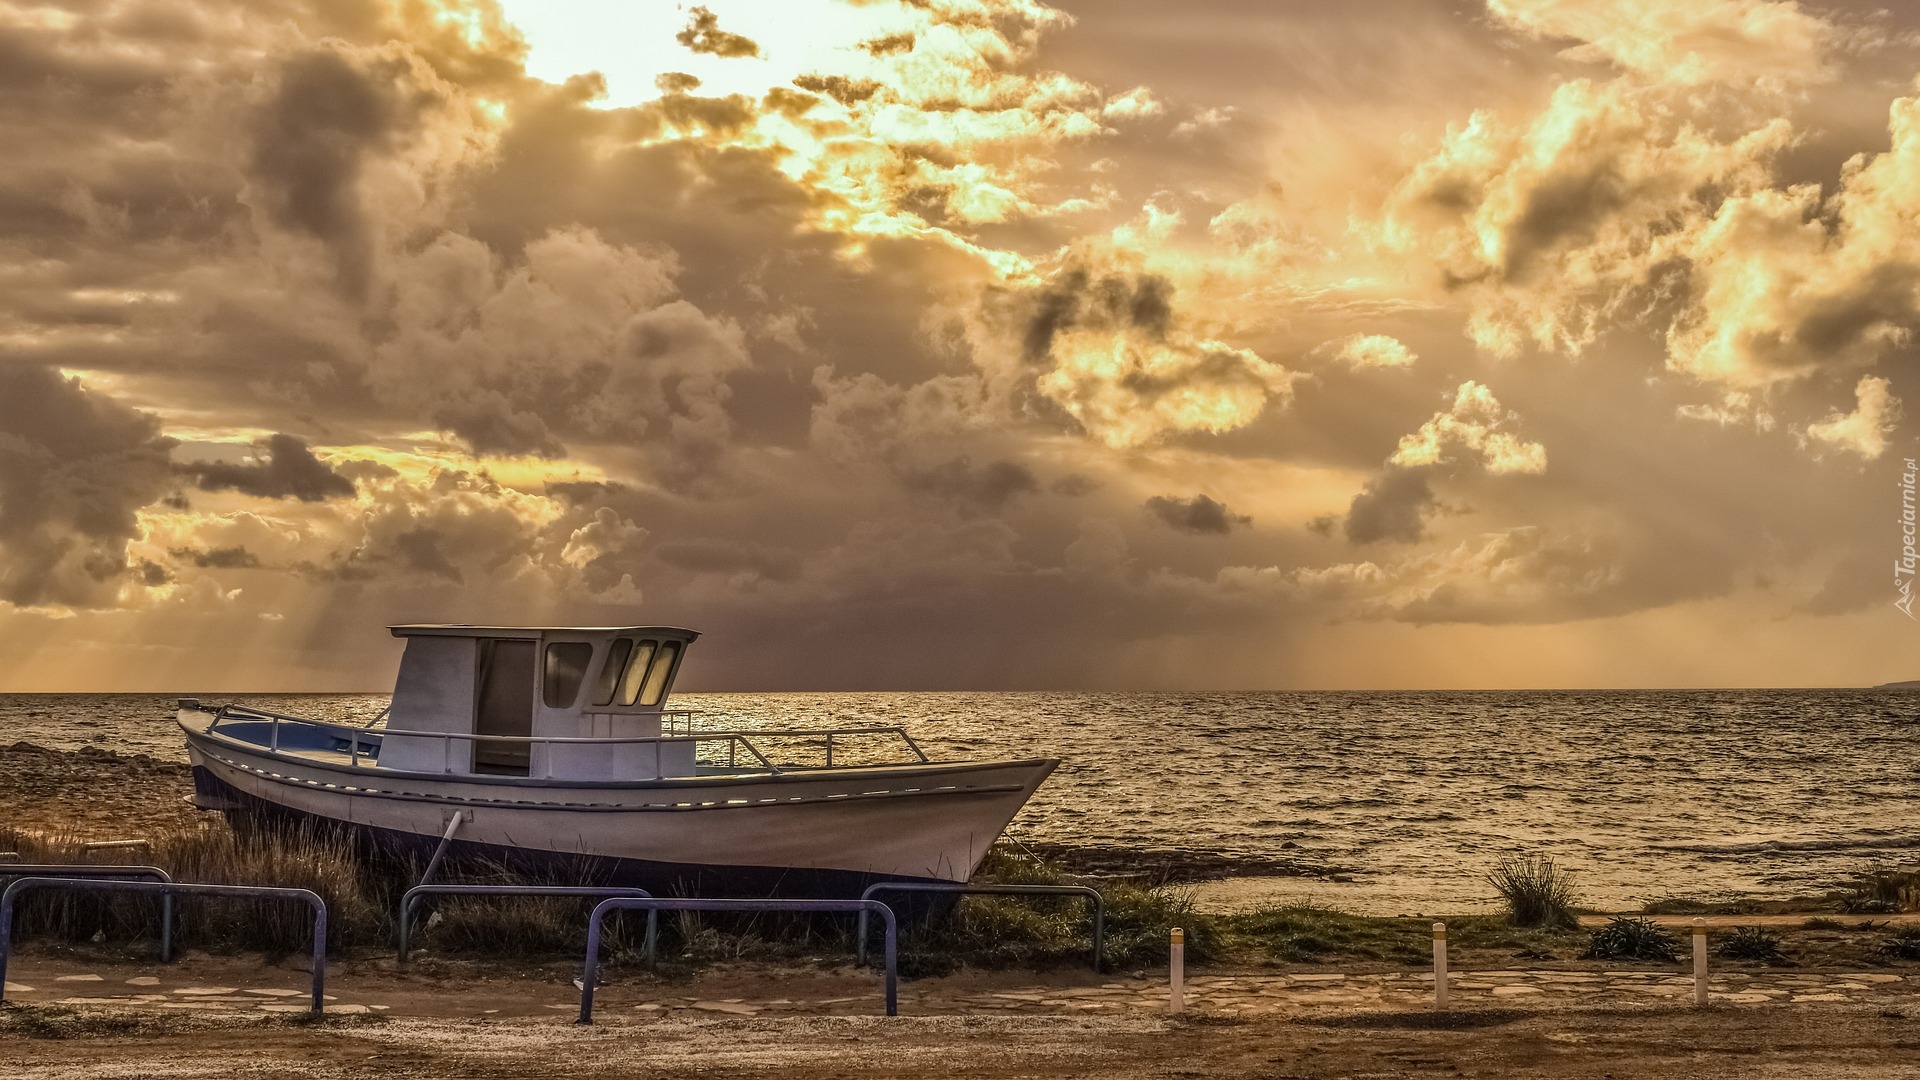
482, 861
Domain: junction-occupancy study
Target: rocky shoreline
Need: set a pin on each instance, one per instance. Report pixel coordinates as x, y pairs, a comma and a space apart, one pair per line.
1174, 866
91, 793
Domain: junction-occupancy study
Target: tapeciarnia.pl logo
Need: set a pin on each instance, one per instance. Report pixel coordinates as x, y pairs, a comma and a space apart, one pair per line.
1903, 567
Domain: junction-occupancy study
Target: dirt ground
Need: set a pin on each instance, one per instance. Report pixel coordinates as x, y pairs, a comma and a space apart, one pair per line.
1599, 1044
439, 1020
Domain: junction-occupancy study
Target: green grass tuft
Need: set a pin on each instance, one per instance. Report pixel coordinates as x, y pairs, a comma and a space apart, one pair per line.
1902, 944
1884, 892
1753, 943
1537, 892
1628, 938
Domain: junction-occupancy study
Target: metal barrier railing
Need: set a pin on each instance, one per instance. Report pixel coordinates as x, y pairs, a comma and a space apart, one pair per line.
169, 888
1092, 895
414, 894
590, 973
89, 870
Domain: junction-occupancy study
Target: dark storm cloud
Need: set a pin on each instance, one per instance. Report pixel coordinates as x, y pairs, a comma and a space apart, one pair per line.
288, 470
1391, 507
840, 88
75, 465
493, 423
421, 551
226, 558
1198, 515
311, 141
1078, 297
979, 487
719, 556
703, 35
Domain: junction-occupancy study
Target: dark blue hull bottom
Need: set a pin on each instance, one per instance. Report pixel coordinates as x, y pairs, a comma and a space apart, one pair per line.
483, 863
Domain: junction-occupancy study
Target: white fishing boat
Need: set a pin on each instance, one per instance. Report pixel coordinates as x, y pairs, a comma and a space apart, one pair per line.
531, 745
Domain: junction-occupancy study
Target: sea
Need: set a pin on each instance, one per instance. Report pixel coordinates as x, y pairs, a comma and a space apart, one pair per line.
1409, 797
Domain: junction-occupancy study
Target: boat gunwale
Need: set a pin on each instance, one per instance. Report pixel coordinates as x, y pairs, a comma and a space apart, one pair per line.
684, 806
801, 775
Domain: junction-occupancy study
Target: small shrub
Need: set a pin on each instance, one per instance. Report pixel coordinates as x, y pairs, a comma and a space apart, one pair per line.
1884, 892
1628, 938
1537, 892
1752, 943
1902, 944
1823, 924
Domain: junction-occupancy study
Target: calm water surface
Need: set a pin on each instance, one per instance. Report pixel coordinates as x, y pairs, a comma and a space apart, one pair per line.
1646, 793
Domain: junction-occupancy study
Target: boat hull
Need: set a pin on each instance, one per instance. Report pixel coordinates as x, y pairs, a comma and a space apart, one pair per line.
813, 833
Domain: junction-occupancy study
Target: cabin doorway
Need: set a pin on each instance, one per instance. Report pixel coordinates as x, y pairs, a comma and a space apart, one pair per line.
505, 707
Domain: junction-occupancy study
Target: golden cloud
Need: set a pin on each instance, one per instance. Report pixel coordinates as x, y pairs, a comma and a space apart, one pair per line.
1374, 350
1549, 228
1476, 422
1689, 42
1863, 431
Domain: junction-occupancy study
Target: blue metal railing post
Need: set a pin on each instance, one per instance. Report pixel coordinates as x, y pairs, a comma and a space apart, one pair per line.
1089, 893
590, 972
167, 888
413, 896
90, 870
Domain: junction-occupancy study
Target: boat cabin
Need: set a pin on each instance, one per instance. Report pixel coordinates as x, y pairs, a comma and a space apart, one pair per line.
486, 700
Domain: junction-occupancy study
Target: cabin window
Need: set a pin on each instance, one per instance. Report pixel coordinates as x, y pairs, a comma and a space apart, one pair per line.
566, 670
636, 673
609, 681
656, 687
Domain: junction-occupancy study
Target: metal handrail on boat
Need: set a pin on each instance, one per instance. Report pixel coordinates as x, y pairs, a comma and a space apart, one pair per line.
734, 739
829, 733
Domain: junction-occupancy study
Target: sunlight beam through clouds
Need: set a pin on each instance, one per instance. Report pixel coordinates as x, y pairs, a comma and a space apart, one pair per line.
633, 44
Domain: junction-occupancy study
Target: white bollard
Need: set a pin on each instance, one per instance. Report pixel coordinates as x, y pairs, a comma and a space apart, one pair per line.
1699, 961
1440, 966
1177, 972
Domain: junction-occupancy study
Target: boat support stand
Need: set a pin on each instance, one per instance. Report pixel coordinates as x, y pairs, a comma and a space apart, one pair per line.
446, 840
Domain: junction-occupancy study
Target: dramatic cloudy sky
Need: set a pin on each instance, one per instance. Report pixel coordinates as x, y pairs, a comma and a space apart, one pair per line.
962, 343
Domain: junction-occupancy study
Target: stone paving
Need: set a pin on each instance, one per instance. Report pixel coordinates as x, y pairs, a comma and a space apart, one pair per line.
1257, 994
1266, 994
